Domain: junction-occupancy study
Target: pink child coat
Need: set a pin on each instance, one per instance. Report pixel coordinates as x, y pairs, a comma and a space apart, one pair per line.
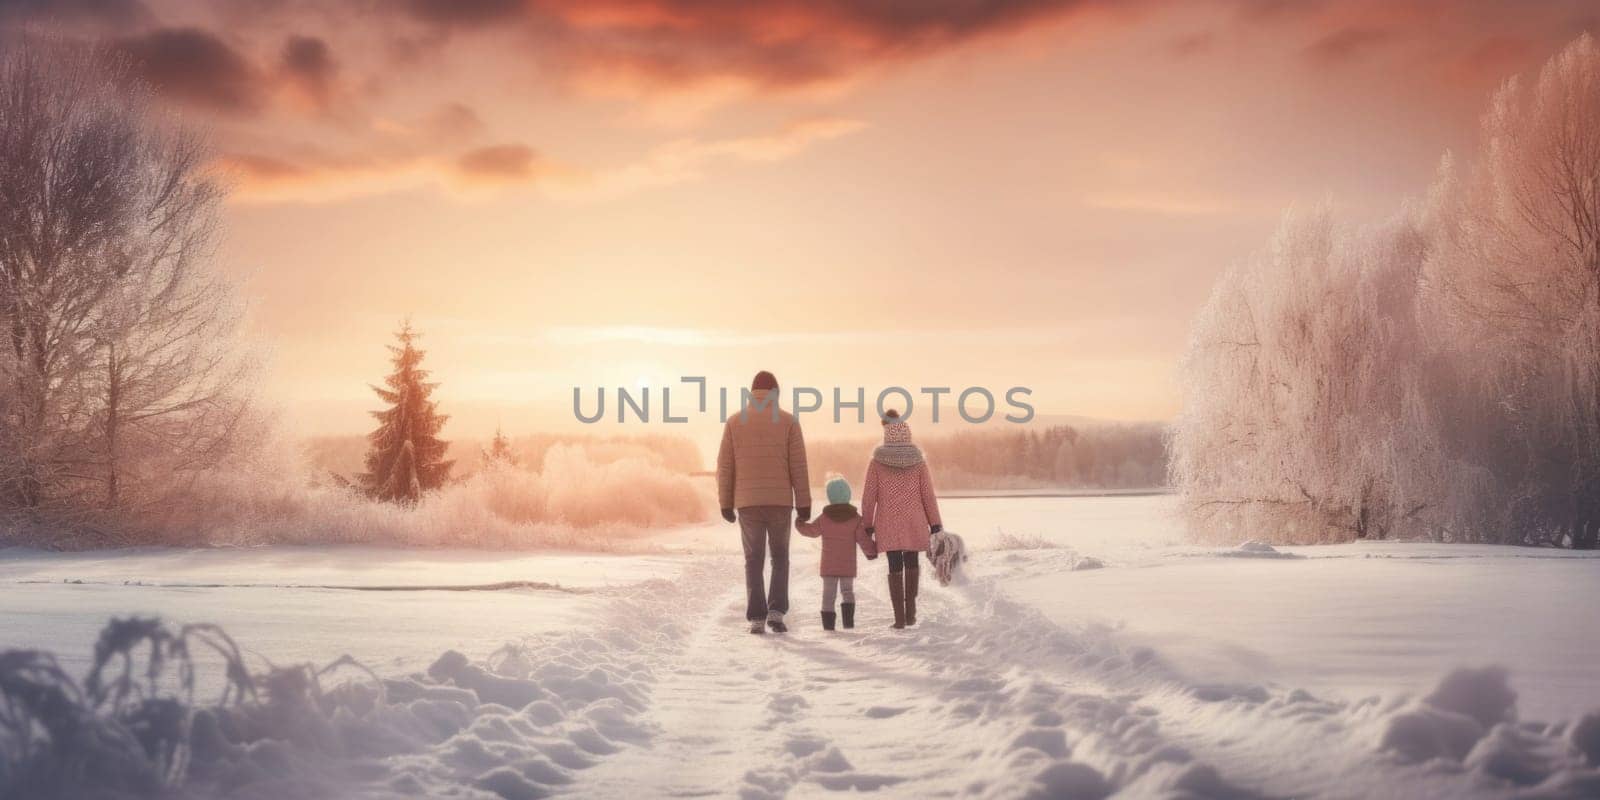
841, 531
899, 504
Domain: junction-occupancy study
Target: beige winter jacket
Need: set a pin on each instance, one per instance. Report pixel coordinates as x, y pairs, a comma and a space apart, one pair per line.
762, 461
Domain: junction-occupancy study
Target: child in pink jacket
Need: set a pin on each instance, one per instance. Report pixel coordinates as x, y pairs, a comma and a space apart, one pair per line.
841, 531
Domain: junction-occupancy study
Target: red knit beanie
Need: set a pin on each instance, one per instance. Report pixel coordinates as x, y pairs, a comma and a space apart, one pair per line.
764, 380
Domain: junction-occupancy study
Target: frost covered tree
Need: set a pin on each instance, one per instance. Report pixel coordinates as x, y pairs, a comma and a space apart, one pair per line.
499, 451
1437, 375
1296, 382
1517, 266
119, 374
405, 456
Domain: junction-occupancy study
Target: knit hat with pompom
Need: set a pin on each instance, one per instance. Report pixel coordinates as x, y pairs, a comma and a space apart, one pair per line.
895, 431
838, 490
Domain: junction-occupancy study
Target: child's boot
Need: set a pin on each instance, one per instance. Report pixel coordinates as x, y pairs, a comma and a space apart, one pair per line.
848, 612
897, 598
827, 620
911, 595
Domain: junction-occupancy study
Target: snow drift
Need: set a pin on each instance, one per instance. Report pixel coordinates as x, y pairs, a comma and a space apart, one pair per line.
541, 718
510, 728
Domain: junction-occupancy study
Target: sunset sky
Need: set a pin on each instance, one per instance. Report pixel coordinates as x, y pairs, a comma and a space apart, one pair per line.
947, 192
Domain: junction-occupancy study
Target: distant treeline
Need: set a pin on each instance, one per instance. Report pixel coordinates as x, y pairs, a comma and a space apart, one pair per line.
342, 455
1110, 456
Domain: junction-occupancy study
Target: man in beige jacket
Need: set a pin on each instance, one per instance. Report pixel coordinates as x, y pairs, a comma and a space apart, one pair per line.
761, 471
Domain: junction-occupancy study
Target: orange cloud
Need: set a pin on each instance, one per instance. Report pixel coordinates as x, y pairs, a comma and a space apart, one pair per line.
499, 163
686, 159
313, 175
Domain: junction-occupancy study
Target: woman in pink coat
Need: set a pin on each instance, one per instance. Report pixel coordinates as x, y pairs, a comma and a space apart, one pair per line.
899, 509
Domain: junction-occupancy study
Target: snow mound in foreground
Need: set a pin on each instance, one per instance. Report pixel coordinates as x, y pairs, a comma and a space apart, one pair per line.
1469, 720
509, 728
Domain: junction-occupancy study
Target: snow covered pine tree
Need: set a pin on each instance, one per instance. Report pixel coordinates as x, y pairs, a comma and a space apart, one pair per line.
500, 452
406, 457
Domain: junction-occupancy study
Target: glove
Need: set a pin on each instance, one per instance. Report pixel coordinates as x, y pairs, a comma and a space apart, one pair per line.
871, 530
727, 514
803, 513
935, 529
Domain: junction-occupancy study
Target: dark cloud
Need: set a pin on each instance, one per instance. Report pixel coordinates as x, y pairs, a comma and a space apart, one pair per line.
464, 12
195, 67
769, 42
308, 56
1346, 44
307, 65
92, 13
501, 162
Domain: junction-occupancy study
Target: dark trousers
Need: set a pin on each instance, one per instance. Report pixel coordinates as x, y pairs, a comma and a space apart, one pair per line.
760, 526
900, 560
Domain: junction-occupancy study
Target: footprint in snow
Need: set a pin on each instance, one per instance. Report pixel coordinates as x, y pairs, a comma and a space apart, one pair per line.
803, 746
786, 704
857, 781
885, 712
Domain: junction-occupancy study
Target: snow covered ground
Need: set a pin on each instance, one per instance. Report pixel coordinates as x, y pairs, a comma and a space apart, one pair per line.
1097, 654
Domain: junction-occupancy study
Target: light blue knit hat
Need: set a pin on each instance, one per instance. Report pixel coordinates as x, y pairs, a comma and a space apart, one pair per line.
838, 490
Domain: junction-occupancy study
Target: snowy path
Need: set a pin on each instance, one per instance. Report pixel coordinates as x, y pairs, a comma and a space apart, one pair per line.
942, 709
985, 698
757, 715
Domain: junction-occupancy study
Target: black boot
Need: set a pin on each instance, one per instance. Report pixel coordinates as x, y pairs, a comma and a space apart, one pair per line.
897, 598
911, 595
848, 611
827, 620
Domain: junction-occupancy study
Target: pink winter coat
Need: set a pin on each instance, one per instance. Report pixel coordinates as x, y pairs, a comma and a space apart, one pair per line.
841, 531
899, 504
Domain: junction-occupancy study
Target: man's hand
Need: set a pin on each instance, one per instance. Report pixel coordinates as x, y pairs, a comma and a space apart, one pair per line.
935, 529
727, 514
803, 513
873, 557
871, 529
